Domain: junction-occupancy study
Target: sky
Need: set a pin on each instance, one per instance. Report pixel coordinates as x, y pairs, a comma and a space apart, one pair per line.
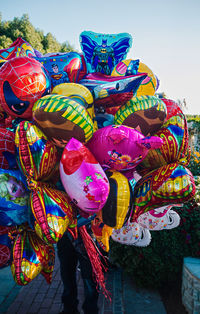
166, 34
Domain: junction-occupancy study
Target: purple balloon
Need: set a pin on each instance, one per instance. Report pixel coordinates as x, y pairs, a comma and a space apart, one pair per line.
120, 147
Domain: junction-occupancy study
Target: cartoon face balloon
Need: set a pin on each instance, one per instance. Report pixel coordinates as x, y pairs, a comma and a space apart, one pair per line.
103, 51
13, 198
159, 219
23, 81
64, 67
83, 178
132, 234
120, 147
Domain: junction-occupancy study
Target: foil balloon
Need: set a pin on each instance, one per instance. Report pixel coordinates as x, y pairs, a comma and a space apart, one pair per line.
23, 80
119, 202
31, 256
50, 209
18, 48
64, 67
36, 155
159, 219
132, 234
13, 198
60, 118
120, 147
103, 51
104, 119
83, 178
5, 247
109, 91
7, 147
145, 113
175, 143
169, 184
128, 67
79, 93
149, 84
172, 108
101, 232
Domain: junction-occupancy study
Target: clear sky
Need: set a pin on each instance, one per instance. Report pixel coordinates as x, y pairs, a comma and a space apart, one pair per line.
166, 34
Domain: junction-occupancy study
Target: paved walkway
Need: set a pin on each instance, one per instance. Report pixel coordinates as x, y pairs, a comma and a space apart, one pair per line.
41, 298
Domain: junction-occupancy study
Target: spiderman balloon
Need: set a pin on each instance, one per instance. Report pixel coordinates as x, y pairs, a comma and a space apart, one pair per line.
23, 80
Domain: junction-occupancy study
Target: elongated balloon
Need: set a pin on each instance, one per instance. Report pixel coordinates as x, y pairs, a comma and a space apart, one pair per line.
83, 178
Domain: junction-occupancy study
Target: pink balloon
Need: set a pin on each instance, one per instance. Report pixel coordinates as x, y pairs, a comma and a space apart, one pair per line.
83, 178
120, 147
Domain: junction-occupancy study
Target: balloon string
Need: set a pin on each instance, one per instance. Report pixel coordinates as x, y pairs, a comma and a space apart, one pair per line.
95, 261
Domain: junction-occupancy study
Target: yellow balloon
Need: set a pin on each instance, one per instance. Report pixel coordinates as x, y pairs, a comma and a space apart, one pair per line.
148, 85
79, 93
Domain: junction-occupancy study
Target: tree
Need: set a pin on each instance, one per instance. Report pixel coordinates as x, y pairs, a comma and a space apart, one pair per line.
22, 27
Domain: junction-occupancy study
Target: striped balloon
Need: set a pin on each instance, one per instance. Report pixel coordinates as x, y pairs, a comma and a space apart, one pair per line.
61, 118
144, 113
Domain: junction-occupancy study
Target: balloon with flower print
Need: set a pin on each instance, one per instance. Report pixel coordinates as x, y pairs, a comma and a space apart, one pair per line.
159, 218
83, 178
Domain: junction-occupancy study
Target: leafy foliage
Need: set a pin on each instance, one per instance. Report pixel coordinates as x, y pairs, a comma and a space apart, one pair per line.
161, 262
22, 27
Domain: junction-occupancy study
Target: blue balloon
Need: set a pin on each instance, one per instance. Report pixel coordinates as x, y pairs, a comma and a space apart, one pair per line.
104, 51
14, 197
63, 67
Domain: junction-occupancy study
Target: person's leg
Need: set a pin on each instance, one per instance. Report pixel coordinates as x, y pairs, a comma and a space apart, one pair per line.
91, 294
68, 262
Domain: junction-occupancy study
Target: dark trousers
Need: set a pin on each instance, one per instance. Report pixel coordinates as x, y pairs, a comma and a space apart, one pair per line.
69, 254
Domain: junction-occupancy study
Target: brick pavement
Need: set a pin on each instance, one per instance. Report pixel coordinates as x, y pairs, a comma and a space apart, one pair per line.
41, 298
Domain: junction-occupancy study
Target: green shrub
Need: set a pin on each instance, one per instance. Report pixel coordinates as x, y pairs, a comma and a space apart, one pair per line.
161, 262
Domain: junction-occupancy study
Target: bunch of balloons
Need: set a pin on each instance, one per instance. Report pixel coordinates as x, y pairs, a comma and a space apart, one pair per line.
85, 140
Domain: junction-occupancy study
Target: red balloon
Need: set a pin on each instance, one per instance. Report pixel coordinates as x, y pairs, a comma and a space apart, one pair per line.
23, 81
172, 108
